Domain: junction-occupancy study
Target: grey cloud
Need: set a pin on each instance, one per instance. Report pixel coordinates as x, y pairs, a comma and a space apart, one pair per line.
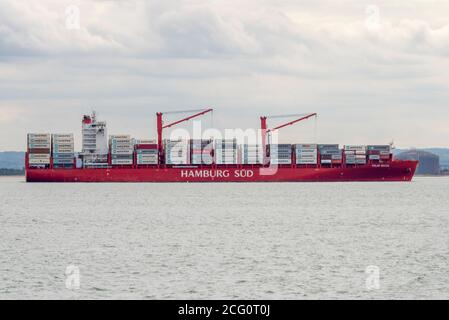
245, 58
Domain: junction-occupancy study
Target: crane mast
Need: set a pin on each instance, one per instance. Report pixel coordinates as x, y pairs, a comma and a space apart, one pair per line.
160, 125
265, 130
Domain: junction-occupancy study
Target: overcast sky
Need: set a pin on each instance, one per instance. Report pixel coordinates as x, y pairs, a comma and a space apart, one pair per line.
374, 71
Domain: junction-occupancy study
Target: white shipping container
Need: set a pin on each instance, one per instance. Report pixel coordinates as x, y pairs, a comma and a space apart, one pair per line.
306, 146
146, 141
122, 148
39, 135
59, 138
147, 156
62, 140
62, 136
39, 161
61, 150
39, 146
39, 140
355, 148
120, 136
121, 162
307, 158
252, 162
315, 152
39, 156
121, 143
228, 155
40, 143
301, 161
278, 161
122, 152
63, 145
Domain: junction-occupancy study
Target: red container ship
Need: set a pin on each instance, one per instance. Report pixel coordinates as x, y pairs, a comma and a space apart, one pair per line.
125, 160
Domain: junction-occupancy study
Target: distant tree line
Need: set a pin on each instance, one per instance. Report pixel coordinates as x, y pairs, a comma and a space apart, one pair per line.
12, 172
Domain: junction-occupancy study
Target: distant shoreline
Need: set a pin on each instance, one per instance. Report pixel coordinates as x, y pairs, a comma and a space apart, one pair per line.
12, 172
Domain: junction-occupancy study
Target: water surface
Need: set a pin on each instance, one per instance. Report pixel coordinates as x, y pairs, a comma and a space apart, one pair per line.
225, 241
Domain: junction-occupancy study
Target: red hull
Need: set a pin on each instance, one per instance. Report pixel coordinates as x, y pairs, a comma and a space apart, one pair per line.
394, 171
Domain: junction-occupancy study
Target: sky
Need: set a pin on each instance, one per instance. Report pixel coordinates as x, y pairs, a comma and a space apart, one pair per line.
374, 71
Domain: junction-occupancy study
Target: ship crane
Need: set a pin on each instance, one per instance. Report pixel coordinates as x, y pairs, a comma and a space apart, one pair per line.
266, 131
161, 126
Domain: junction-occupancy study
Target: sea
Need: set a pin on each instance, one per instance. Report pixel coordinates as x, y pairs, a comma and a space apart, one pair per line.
225, 241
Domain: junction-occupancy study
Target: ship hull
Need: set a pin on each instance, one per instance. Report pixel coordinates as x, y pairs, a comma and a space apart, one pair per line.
394, 171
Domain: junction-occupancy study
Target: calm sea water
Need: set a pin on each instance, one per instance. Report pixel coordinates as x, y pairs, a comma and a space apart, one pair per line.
229, 241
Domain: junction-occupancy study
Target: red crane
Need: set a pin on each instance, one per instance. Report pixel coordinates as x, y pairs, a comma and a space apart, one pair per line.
265, 130
161, 126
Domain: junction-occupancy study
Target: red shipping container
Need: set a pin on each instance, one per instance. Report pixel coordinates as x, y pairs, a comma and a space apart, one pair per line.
39, 151
146, 146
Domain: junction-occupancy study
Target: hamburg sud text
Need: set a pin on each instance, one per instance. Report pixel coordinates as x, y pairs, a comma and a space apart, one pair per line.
217, 173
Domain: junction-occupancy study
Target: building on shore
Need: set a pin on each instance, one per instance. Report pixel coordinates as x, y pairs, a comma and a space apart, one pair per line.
429, 163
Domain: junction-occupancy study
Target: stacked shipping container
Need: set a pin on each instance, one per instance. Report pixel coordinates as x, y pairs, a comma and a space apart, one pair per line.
201, 151
177, 152
226, 151
379, 153
252, 154
63, 150
95, 160
122, 150
146, 152
39, 149
280, 154
306, 154
355, 155
330, 154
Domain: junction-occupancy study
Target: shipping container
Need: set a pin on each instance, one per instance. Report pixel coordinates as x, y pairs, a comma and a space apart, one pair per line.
177, 152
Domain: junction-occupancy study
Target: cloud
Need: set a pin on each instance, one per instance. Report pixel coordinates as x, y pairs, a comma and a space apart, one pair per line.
128, 59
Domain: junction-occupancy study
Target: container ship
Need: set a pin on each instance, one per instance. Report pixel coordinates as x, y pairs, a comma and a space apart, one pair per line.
120, 158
